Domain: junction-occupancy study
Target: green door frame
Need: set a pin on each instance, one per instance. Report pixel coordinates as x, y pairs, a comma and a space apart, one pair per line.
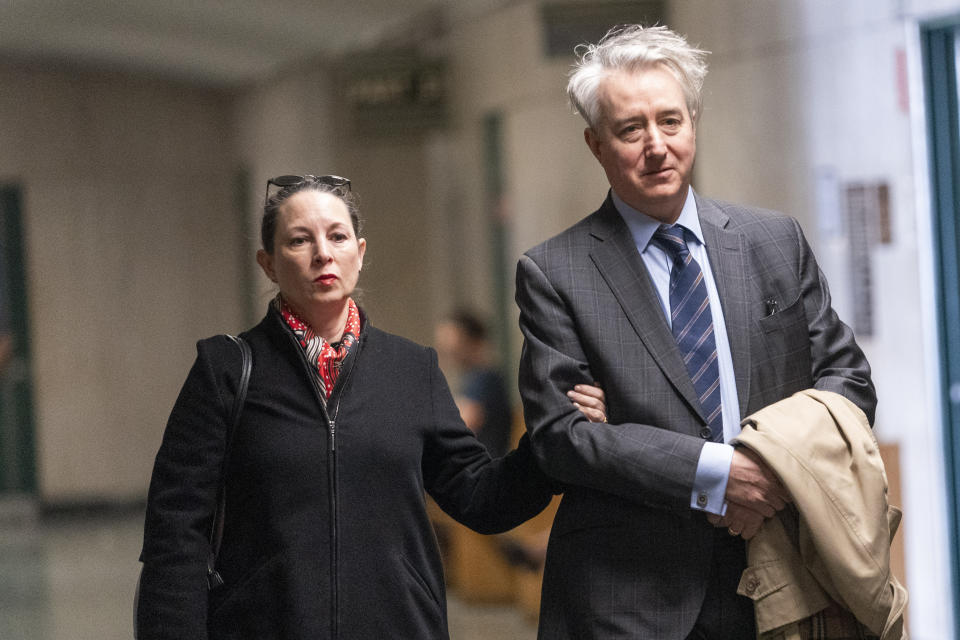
939, 46
17, 453
495, 189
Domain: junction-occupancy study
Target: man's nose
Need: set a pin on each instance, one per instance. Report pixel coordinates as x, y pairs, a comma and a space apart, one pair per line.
656, 145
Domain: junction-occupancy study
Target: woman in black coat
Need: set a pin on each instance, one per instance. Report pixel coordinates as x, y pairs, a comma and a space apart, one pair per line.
344, 429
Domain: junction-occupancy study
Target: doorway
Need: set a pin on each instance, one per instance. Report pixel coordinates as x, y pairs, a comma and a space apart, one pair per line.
939, 46
17, 453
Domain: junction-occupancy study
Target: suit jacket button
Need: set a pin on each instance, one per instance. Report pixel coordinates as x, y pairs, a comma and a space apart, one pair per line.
705, 433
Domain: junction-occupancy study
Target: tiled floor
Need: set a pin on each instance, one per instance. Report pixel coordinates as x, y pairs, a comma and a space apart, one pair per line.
72, 578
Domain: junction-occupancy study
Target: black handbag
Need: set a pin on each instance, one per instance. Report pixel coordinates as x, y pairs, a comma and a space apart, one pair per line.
216, 528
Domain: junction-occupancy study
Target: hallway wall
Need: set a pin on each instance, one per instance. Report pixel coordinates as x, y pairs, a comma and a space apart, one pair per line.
131, 248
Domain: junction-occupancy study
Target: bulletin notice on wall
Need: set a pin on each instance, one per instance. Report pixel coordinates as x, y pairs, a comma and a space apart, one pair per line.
867, 207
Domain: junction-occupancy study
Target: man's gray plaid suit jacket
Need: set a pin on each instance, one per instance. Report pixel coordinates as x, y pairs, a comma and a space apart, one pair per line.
628, 558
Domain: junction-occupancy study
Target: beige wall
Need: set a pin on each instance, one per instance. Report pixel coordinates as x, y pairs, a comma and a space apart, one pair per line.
281, 127
131, 249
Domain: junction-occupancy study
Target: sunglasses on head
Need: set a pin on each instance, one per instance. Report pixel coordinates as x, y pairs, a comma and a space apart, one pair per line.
341, 185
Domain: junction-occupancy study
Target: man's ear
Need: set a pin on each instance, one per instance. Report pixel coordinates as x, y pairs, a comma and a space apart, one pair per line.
593, 141
265, 260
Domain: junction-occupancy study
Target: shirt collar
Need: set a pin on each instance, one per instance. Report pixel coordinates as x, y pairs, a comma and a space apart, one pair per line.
642, 227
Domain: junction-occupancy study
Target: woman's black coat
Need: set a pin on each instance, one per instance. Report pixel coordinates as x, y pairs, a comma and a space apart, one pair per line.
326, 533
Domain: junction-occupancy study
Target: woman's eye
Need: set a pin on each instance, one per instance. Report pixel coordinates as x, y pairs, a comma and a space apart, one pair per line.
297, 241
338, 237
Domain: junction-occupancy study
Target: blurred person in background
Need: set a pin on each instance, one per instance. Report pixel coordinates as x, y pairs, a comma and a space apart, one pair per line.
691, 313
481, 393
344, 428
462, 338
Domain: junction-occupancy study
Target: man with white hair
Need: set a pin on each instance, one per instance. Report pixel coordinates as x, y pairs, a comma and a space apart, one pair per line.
691, 314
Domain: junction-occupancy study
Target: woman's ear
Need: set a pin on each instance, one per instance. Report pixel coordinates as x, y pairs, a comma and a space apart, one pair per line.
265, 260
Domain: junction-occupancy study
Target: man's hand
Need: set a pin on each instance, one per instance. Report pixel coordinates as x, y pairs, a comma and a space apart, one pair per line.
754, 493
752, 484
590, 400
739, 520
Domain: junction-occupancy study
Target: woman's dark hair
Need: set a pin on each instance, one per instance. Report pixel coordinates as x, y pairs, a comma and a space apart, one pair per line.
268, 224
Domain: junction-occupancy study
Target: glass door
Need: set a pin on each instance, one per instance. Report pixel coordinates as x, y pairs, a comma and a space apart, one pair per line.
940, 68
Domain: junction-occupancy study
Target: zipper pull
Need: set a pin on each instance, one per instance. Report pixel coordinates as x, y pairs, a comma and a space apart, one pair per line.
333, 435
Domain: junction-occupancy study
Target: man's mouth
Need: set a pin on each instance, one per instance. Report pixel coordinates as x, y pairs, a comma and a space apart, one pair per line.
657, 172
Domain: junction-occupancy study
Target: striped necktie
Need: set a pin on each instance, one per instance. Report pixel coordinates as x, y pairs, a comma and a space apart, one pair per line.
692, 325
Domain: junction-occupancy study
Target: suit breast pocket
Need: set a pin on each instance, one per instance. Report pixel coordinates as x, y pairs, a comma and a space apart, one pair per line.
782, 352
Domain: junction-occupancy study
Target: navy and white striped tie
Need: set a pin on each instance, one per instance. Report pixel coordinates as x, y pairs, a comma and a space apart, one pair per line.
692, 325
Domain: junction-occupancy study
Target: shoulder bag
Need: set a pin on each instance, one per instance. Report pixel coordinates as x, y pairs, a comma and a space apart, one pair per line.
216, 528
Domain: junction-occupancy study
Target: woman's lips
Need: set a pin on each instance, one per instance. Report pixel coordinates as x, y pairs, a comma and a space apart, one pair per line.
326, 279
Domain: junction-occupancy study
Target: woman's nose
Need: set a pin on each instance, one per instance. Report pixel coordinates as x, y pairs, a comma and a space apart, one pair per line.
322, 252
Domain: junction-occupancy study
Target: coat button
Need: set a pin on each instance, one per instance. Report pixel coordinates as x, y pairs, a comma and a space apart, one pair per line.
705, 433
752, 585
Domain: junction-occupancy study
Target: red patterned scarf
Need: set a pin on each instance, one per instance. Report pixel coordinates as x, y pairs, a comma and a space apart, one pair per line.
328, 357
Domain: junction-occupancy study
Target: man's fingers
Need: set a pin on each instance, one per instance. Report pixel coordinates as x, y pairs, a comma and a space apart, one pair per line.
592, 390
739, 521
585, 400
776, 501
590, 403
593, 415
764, 509
750, 530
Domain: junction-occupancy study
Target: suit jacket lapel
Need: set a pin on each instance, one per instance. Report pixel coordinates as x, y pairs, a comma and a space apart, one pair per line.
622, 268
725, 248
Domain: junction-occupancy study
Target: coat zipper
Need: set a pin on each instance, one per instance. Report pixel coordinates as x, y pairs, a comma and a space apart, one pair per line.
332, 476
338, 390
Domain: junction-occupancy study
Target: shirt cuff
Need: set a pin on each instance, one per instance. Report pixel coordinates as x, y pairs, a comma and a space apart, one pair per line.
710, 482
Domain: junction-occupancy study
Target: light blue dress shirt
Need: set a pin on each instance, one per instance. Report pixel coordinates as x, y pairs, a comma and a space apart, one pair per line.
713, 468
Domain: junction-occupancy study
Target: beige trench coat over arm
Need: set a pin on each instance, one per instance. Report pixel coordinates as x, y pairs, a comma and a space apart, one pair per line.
833, 542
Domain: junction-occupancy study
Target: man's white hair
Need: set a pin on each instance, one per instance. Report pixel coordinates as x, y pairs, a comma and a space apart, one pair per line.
633, 48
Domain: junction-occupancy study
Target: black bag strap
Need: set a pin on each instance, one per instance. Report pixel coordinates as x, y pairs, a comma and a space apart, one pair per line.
216, 529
